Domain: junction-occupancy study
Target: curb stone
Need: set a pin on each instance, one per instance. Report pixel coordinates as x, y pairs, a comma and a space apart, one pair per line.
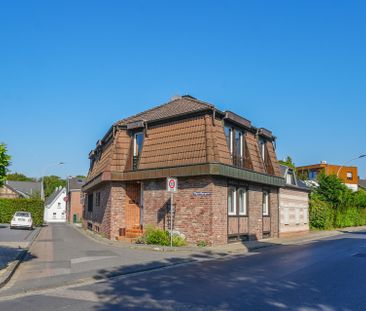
12, 267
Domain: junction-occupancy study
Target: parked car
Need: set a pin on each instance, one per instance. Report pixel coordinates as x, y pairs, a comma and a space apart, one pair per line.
22, 220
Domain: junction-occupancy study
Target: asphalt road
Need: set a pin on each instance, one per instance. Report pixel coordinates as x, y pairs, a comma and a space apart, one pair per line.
16, 235
324, 275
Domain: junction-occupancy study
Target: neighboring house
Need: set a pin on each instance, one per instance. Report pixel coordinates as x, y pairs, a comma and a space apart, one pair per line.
348, 174
20, 189
227, 170
362, 184
55, 206
74, 208
294, 204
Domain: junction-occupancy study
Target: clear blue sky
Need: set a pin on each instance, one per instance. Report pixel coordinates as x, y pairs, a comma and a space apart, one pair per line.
69, 69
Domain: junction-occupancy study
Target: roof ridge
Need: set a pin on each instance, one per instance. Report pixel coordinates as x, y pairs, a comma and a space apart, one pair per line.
185, 97
146, 111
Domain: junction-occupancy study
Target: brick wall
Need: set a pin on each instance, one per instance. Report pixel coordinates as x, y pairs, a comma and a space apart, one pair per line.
255, 206
193, 214
108, 217
200, 209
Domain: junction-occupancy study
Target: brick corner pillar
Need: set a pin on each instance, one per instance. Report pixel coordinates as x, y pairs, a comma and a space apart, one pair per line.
117, 208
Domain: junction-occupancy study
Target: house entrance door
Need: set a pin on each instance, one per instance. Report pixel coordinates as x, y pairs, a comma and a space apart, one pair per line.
133, 197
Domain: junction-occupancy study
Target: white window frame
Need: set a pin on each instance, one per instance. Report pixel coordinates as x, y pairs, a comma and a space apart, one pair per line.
265, 203
262, 143
305, 214
233, 202
244, 198
135, 145
241, 143
231, 145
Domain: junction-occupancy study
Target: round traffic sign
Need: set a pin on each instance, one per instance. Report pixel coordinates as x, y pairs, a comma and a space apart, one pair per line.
171, 183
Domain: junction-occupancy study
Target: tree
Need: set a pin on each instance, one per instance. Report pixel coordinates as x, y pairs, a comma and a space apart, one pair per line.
18, 177
51, 183
4, 163
288, 162
332, 190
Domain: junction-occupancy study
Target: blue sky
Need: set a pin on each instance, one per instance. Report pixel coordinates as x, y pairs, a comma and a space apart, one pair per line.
69, 69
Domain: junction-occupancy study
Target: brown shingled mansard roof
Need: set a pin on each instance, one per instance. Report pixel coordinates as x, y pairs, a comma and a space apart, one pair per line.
179, 105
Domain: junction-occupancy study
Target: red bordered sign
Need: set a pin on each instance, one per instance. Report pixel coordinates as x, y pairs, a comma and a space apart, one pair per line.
171, 184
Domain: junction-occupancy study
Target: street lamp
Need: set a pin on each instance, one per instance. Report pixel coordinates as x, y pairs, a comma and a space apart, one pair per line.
359, 157
43, 173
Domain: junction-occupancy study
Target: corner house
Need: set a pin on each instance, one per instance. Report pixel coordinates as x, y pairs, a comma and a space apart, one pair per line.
228, 175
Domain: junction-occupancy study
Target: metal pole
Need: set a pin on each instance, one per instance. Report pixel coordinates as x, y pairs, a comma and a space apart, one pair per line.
171, 219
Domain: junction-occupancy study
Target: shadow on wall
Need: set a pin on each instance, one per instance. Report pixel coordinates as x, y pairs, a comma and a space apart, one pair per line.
235, 282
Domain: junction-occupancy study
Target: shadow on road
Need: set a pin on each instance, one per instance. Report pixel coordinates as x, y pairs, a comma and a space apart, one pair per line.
9, 254
283, 278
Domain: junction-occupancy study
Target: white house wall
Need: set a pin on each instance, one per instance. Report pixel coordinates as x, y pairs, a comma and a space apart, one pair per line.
294, 211
56, 211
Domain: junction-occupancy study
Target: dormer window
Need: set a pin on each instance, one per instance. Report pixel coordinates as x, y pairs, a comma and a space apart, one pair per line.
229, 138
137, 143
138, 140
290, 178
262, 146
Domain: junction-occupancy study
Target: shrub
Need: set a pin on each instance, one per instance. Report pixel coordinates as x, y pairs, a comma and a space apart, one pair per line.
320, 213
8, 207
201, 243
350, 216
158, 236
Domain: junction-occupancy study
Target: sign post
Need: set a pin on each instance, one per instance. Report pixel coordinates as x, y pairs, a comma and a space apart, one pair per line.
172, 187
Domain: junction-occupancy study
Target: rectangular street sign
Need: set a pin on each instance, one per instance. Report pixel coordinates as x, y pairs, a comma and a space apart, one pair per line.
171, 184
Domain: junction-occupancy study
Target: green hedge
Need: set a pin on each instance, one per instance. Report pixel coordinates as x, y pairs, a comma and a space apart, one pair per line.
8, 207
323, 216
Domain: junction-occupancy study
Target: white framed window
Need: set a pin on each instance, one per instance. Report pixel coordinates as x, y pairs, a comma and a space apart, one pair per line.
290, 179
231, 201
265, 203
239, 143
229, 138
349, 176
305, 213
138, 140
242, 200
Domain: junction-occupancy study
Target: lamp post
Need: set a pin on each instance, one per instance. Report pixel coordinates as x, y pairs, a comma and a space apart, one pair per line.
43, 173
359, 157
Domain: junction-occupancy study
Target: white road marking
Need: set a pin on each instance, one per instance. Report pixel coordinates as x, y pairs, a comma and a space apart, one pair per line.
74, 294
90, 258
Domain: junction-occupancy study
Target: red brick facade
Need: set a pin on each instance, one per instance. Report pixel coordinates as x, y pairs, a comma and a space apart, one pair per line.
200, 209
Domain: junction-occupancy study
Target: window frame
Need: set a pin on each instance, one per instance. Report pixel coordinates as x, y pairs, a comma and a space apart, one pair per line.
232, 189
244, 200
229, 140
90, 202
136, 152
349, 174
262, 144
97, 198
265, 203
